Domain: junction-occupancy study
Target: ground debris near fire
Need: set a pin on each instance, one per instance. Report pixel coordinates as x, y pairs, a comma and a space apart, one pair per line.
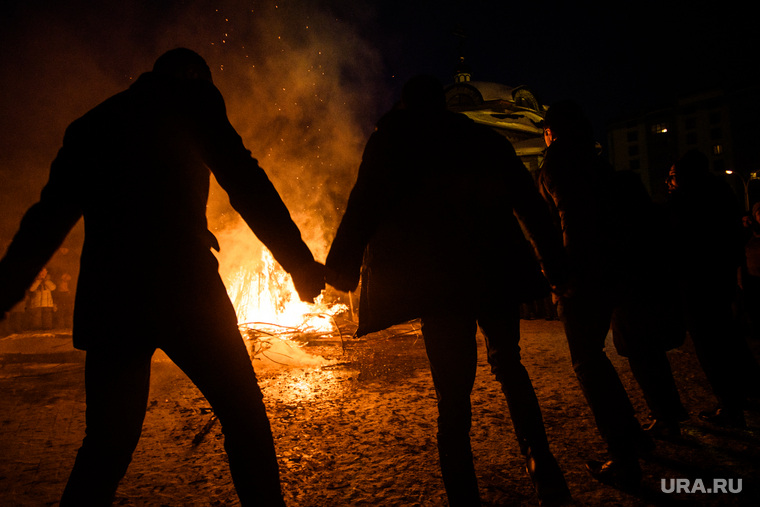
354, 425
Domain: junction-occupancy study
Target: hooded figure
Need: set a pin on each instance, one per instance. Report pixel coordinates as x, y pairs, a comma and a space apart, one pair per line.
705, 224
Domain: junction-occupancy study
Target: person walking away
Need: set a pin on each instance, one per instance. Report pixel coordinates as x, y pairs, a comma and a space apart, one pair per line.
136, 167
705, 223
434, 207
598, 215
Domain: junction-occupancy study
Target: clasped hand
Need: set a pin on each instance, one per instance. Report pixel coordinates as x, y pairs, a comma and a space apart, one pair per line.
309, 281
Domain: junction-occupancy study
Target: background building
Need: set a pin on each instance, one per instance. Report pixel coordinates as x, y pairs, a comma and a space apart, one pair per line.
721, 124
514, 113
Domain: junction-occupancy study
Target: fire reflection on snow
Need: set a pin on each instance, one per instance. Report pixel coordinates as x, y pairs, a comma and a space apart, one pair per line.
283, 345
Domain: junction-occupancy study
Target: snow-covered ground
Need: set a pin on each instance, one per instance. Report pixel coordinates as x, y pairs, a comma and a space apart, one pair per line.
353, 425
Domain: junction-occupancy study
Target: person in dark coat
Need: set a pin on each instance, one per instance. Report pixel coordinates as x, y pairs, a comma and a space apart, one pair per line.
705, 220
136, 167
749, 279
601, 216
430, 224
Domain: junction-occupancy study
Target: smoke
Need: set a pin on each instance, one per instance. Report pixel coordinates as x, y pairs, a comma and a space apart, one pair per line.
301, 87
301, 83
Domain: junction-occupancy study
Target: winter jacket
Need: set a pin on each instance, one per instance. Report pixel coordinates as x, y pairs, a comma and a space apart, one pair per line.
705, 222
616, 243
432, 222
137, 168
572, 180
41, 294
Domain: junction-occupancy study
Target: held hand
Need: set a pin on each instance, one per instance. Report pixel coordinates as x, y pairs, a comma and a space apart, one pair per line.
340, 281
560, 292
309, 281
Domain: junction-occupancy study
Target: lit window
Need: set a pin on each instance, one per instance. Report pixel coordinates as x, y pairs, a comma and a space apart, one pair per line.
660, 128
717, 149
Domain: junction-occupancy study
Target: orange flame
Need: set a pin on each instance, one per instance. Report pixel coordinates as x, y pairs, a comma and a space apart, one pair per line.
265, 295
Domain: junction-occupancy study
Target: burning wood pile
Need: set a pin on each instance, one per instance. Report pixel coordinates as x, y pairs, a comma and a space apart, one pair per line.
275, 322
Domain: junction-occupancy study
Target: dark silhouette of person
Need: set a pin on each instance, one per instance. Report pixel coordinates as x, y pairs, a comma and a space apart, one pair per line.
431, 218
646, 322
705, 220
749, 279
603, 218
41, 301
64, 301
136, 167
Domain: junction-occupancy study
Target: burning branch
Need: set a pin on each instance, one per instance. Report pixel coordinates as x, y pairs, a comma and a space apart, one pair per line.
311, 329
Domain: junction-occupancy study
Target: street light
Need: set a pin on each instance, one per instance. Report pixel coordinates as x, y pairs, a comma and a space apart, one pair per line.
745, 184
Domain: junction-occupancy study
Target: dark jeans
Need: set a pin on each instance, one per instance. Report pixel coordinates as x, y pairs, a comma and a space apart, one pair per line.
587, 319
645, 325
41, 317
654, 375
452, 350
206, 344
722, 352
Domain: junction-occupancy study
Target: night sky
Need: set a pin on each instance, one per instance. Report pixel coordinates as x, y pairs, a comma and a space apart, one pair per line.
330, 68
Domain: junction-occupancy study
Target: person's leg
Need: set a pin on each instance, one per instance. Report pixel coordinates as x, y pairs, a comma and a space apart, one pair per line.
501, 328
35, 318
502, 334
211, 352
654, 375
116, 385
47, 318
644, 327
720, 355
587, 322
452, 351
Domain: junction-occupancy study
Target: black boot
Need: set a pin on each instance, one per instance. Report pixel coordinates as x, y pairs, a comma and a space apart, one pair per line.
660, 428
548, 479
724, 417
620, 473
